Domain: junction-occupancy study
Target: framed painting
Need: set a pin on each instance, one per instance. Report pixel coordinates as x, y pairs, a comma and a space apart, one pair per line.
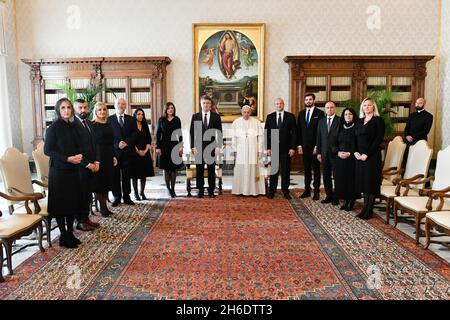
229, 67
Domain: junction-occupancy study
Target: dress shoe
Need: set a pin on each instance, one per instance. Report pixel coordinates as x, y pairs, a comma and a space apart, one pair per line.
200, 195
211, 195
335, 202
287, 196
316, 196
66, 242
143, 197
84, 226
115, 203
129, 202
350, 205
105, 214
172, 193
92, 223
270, 195
136, 197
326, 200
305, 194
74, 239
344, 205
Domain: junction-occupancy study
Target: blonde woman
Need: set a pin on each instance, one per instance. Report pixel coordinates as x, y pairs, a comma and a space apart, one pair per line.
369, 133
103, 139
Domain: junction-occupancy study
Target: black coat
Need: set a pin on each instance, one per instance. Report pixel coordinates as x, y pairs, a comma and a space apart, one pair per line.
64, 181
368, 141
418, 126
142, 167
104, 139
307, 134
164, 142
344, 173
214, 123
127, 133
324, 137
287, 134
90, 154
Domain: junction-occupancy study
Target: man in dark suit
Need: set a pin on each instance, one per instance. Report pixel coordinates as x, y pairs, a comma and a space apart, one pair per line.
308, 120
284, 122
419, 124
125, 131
206, 142
327, 132
89, 165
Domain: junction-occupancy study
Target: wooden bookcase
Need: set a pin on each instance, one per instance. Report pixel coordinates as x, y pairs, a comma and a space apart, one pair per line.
140, 80
341, 78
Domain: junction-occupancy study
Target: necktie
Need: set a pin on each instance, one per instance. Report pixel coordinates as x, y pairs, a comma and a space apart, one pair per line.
329, 124
205, 121
307, 117
121, 121
279, 121
85, 125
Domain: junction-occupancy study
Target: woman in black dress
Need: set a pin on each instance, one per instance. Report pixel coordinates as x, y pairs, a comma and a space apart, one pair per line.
369, 132
142, 161
168, 138
343, 146
103, 139
63, 146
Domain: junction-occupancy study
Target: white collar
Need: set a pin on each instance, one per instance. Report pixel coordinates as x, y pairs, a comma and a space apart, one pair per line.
332, 117
310, 108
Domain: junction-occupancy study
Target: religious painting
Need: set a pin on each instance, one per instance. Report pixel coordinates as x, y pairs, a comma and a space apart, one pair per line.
229, 67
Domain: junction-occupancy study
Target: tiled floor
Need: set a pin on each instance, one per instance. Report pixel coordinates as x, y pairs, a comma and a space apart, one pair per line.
158, 183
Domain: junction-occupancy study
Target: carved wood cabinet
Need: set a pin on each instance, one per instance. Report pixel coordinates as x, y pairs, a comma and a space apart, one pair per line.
344, 78
140, 80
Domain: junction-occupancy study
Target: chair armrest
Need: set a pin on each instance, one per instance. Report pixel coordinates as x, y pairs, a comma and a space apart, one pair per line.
428, 192
389, 172
435, 196
19, 198
35, 195
400, 180
404, 183
40, 183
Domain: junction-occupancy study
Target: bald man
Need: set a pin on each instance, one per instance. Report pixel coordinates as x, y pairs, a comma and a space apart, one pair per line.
419, 124
125, 131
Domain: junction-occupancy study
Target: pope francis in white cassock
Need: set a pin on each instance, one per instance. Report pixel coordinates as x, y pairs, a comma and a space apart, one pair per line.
247, 143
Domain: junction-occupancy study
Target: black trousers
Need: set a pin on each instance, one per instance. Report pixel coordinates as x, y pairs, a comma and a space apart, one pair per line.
86, 195
284, 170
311, 164
122, 184
211, 178
328, 174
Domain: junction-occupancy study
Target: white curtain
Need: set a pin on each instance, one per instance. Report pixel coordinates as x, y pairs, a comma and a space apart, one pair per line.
5, 125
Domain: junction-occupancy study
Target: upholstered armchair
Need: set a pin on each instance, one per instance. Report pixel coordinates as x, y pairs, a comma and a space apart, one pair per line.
16, 226
439, 220
42, 164
418, 206
417, 166
16, 175
191, 172
393, 160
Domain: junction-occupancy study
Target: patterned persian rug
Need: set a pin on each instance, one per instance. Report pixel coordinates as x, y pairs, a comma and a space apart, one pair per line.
234, 248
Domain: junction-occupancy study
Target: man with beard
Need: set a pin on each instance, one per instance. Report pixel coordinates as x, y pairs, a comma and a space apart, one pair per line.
89, 165
419, 123
417, 127
307, 124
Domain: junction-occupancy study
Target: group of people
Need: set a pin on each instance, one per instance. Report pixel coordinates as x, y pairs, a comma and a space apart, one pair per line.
347, 148
106, 154
94, 157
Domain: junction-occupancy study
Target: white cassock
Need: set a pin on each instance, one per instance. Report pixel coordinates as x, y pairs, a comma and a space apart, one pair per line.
247, 141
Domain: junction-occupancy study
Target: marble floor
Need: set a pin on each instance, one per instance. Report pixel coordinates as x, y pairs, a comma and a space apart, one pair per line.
158, 183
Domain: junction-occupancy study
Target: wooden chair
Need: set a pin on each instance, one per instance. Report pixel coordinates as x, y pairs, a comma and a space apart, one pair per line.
439, 220
416, 167
42, 163
419, 206
16, 175
15, 226
393, 160
191, 173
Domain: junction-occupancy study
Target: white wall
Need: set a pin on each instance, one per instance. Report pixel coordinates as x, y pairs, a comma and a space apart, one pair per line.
150, 27
443, 128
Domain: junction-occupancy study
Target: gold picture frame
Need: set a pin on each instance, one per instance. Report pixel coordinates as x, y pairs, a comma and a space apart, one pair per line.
229, 67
